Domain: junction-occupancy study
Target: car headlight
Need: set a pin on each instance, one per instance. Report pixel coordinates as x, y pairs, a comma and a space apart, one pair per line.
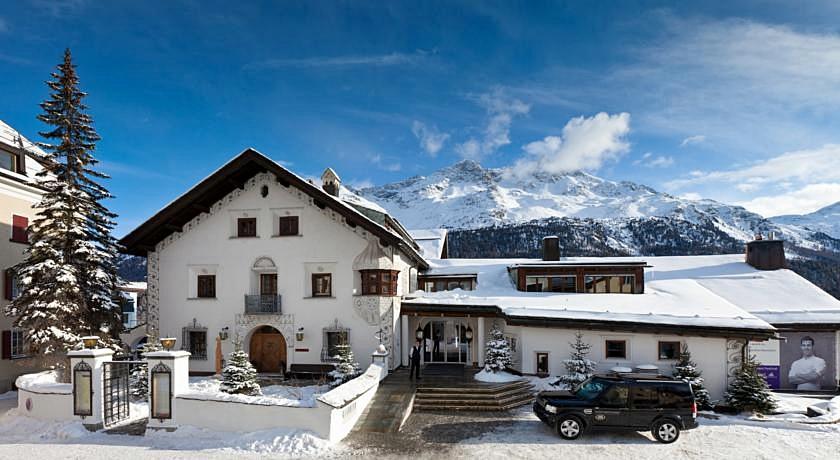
550, 408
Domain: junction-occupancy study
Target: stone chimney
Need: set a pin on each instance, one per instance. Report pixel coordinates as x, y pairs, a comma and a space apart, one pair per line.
551, 248
766, 254
330, 182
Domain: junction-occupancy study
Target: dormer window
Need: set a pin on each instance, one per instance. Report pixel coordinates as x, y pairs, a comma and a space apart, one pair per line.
10, 161
379, 282
246, 227
609, 284
566, 283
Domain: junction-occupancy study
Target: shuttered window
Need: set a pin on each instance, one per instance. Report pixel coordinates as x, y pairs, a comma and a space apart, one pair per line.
246, 227
287, 226
20, 225
206, 286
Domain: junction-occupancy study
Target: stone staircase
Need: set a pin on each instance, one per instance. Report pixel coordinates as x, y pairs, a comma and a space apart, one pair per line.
487, 397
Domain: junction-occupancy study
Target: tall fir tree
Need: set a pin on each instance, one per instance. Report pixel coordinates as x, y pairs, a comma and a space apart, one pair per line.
578, 366
749, 391
686, 370
68, 279
497, 355
347, 367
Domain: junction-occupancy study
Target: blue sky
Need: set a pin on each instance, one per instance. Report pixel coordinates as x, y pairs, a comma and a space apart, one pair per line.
735, 101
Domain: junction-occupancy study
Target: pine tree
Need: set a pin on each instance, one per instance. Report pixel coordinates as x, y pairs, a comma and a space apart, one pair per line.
578, 366
347, 367
140, 374
68, 279
239, 375
749, 391
497, 353
686, 370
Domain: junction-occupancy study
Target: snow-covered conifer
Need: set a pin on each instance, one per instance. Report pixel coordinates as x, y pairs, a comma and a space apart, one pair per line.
497, 355
347, 367
68, 279
686, 370
140, 374
749, 391
578, 366
239, 375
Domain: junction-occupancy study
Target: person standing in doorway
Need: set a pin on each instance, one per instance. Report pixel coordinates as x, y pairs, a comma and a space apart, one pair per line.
414, 359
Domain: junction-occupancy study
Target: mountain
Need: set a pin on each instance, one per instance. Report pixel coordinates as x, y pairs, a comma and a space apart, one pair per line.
469, 196
825, 220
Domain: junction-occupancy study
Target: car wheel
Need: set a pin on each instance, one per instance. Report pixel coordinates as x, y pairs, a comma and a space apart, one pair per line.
569, 427
666, 431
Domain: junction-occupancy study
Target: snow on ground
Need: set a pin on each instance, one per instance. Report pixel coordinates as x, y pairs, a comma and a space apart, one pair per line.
20, 435
44, 382
722, 438
495, 377
8, 395
207, 388
793, 408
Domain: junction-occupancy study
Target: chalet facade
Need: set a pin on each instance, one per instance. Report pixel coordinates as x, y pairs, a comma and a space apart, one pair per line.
290, 269
18, 194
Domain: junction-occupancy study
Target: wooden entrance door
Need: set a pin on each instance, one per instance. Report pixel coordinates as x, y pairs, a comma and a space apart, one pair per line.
268, 350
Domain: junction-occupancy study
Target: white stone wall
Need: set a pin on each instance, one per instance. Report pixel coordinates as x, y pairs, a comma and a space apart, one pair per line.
708, 353
46, 406
208, 243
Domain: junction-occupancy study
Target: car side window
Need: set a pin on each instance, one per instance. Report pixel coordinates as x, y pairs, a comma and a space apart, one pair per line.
675, 396
614, 397
645, 397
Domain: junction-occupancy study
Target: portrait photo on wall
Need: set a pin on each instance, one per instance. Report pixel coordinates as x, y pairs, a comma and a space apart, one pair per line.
808, 361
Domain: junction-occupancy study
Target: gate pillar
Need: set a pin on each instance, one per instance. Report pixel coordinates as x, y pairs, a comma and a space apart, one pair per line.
86, 378
168, 377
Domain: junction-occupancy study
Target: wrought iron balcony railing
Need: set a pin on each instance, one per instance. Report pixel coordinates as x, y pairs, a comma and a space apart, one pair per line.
256, 304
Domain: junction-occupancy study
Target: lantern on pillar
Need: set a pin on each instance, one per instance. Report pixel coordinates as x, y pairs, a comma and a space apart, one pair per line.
167, 343
161, 387
82, 390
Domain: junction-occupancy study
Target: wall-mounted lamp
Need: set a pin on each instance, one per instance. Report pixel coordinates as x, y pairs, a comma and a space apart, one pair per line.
418, 333
224, 332
299, 335
82, 390
468, 334
167, 343
161, 392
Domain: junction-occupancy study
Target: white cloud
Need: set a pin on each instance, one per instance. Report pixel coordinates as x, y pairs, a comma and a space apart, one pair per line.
4, 26
501, 110
385, 164
691, 196
357, 184
431, 140
377, 60
690, 140
802, 166
802, 201
585, 144
647, 160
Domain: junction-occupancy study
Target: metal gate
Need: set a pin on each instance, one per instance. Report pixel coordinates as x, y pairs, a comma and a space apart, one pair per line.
120, 380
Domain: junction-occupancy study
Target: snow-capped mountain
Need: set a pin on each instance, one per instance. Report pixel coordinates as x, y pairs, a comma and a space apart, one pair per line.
468, 196
826, 220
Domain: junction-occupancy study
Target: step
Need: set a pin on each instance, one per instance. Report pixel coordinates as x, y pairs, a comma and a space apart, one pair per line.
472, 389
481, 402
474, 396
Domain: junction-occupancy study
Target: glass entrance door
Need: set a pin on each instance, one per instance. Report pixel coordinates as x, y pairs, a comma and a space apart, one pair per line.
444, 341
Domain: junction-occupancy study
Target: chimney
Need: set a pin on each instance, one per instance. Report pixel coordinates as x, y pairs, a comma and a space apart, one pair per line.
551, 248
330, 182
766, 254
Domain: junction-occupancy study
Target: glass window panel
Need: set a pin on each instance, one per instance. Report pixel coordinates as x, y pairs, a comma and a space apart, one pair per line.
82, 392
627, 286
161, 387
7, 161
616, 349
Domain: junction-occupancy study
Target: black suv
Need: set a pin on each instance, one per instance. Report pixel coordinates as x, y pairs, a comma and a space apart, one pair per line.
635, 402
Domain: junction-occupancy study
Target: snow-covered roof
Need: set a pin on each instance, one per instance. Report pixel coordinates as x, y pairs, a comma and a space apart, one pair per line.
133, 286
12, 138
705, 291
431, 241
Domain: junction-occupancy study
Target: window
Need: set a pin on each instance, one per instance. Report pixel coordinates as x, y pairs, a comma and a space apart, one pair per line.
333, 337
616, 349
438, 285
246, 227
20, 225
379, 282
321, 285
195, 340
673, 396
566, 283
10, 285
612, 284
614, 397
669, 350
206, 286
645, 396
8, 161
542, 363
287, 226
18, 345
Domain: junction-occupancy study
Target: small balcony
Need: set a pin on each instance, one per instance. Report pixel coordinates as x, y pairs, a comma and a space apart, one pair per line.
262, 304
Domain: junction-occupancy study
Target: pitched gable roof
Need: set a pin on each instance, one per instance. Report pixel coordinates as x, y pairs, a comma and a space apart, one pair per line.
233, 175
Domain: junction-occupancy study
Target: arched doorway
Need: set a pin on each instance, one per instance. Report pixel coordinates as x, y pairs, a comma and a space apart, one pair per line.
268, 350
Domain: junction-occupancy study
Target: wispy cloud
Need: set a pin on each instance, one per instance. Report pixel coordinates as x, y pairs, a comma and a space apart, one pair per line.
384, 163
501, 110
431, 139
800, 201
59, 8
376, 60
585, 144
648, 160
4, 26
690, 140
14, 59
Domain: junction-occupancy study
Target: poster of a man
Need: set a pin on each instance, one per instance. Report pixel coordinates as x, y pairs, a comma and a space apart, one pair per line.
808, 361
807, 372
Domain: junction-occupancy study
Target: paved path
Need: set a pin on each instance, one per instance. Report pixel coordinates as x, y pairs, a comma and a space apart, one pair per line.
390, 406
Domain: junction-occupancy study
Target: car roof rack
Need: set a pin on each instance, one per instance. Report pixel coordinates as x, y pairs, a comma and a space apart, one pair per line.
638, 376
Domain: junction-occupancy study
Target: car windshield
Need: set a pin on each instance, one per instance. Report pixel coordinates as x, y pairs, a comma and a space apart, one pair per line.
589, 389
